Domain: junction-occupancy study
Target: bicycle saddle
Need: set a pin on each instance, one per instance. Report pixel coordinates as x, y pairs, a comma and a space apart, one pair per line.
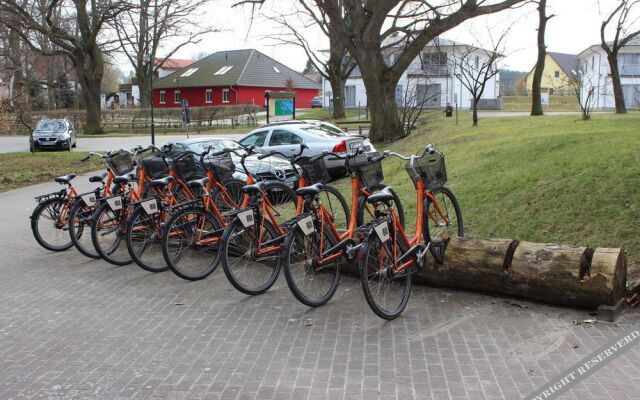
65, 179
253, 188
162, 182
384, 195
124, 178
97, 178
198, 183
310, 190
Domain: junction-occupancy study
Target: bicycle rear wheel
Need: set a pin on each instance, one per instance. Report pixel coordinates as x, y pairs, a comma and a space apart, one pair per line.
49, 224
283, 199
248, 272
190, 243
108, 234
440, 227
335, 203
387, 293
310, 283
144, 239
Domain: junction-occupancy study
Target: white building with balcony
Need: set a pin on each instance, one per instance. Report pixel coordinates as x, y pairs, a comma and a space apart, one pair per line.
432, 78
597, 74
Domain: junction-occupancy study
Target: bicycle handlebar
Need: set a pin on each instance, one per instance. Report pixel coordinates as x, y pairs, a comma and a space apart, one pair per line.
428, 149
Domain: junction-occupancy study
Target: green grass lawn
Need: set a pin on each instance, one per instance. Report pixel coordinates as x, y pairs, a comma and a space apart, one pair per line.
556, 103
548, 179
24, 169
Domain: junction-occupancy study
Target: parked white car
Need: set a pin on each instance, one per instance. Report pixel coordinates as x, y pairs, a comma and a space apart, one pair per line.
286, 139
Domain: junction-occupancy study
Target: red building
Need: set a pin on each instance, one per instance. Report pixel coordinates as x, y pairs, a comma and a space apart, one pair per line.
231, 77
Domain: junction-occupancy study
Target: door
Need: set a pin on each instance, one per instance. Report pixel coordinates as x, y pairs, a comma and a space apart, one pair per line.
284, 141
350, 96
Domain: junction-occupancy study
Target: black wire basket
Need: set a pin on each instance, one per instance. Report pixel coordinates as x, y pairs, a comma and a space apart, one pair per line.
314, 172
155, 166
368, 173
187, 167
221, 166
430, 168
120, 162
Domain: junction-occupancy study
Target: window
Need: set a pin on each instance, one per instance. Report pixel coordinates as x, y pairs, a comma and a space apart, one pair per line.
281, 137
255, 139
276, 69
208, 96
224, 70
477, 62
189, 72
557, 74
163, 97
176, 97
225, 95
593, 62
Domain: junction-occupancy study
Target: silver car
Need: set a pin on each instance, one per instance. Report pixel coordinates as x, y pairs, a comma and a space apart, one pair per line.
268, 169
287, 138
53, 134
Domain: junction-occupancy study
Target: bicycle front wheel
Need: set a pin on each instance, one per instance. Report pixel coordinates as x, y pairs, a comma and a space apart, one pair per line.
335, 203
190, 243
108, 235
80, 229
311, 283
144, 240
386, 290
248, 271
442, 221
49, 224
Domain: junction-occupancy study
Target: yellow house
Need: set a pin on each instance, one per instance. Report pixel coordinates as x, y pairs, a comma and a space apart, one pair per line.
558, 69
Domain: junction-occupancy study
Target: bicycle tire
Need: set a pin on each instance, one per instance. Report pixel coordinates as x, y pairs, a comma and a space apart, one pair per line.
292, 247
282, 198
337, 208
437, 251
119, 243
135, 251
267, 234
369, 247
52, 207
80, 214
168, 243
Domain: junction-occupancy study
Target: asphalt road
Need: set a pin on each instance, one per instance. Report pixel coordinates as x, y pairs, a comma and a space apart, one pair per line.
74, 328
12, 144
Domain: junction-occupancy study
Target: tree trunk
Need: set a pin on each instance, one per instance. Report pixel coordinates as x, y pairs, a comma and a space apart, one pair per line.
89, 69
475, 112
144, 85
618, 95
536, 101
386, 125
337, 90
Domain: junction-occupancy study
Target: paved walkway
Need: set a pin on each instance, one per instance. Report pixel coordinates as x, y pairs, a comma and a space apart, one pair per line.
80, 329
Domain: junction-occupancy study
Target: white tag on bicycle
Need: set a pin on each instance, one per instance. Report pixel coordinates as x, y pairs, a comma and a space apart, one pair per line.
382, 230
115, 203
306, 225
89, 199
150, 206
246, 218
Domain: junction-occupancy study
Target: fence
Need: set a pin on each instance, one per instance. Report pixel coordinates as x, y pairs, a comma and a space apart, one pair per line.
132, 120
506, 91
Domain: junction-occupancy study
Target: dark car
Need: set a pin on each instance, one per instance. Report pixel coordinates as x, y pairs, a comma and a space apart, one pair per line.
316, 102
53, 134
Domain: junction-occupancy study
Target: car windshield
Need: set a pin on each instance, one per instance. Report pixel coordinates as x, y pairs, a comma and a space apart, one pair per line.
323, 132
51, 126
199, 147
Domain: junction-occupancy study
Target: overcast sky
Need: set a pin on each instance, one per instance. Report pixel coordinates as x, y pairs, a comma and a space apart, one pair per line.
575, 27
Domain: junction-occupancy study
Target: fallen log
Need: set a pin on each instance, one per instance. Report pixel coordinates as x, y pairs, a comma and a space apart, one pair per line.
557, 274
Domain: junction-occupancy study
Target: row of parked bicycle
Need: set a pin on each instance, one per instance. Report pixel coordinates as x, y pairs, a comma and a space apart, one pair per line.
184, 211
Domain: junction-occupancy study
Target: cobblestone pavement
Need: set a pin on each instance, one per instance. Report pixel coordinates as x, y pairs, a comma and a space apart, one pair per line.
80, 329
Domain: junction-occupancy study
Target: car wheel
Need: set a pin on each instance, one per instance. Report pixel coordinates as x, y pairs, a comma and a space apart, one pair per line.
32, 148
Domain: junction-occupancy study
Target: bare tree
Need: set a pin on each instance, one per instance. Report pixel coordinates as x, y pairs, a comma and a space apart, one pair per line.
625, 30
536, 103
337, 67
475, 67
584, 84
82, 46
367, 28
153, 27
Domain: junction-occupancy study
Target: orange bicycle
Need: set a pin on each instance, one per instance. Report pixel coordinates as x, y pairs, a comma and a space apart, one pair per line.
388, 256
313, 249
253, 240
